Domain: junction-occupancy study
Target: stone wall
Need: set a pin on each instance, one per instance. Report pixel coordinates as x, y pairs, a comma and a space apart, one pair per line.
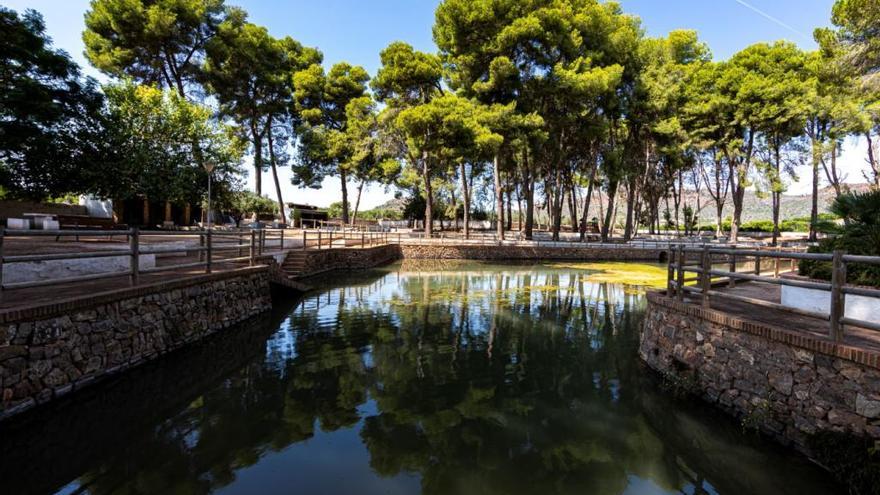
320, 261
787, 384
51, 350
490, 252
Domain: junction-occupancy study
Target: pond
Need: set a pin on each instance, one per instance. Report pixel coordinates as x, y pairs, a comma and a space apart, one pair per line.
434, 378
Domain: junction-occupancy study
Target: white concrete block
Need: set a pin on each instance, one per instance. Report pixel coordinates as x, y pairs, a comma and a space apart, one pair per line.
856, 307
57, 269
18, 224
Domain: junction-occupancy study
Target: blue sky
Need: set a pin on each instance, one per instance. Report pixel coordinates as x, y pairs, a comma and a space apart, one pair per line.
356, 30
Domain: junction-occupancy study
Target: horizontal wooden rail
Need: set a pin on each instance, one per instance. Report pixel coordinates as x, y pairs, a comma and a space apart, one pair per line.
208, 247
837, 289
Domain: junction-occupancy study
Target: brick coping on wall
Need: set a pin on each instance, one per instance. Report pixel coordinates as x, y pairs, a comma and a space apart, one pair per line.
67, 305
793, 338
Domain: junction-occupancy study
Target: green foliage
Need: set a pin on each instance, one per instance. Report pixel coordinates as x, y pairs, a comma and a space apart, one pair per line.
857, 21
381, 214
152, 137
242, 204
854, 461
335, 210
51, 121
153, 41
860, 235
249, 73
827, 224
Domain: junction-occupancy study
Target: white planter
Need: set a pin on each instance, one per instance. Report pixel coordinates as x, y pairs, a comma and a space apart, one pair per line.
857, 307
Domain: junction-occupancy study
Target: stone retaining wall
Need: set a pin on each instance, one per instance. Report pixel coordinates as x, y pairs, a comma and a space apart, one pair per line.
320, 261
785, 383
488, 252
51, 350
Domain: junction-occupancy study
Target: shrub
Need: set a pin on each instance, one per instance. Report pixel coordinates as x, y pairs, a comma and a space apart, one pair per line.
859, 235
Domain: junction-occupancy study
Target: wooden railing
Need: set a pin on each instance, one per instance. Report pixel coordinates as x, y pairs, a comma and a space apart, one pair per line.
333, 238
214, 247
709, 281
329, 239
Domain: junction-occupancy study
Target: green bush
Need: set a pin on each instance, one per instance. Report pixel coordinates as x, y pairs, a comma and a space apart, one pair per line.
853, 461
827, 223
860, 235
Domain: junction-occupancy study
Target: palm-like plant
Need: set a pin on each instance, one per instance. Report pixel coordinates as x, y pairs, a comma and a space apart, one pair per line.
861, 215
860, 235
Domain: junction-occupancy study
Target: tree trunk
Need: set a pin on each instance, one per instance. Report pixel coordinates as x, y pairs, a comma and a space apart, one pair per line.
343, 179
357, 203
556, 205
499, 198
814, 211
258, 160
587, 199
777, 194
530, 197
466, 195
509, 217
631, 195
429, 196
275, 176
872, 160
607, 227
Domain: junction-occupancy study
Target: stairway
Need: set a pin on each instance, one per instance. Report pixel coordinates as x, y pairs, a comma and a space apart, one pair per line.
294, 264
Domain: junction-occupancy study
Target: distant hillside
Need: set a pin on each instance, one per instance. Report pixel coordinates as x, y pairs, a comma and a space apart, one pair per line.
754, 207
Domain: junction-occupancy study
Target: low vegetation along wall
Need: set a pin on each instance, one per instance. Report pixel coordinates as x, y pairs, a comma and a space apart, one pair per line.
51, 350
787, 384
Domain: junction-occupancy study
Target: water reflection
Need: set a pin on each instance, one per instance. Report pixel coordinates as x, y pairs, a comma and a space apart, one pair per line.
441, 379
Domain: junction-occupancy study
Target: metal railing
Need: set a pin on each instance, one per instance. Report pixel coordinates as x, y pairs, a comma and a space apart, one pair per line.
212, 248
710, 279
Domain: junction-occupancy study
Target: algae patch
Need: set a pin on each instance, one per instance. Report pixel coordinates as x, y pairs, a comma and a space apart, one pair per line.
630, 274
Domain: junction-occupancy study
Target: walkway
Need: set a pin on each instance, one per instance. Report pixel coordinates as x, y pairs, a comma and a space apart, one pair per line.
857, 337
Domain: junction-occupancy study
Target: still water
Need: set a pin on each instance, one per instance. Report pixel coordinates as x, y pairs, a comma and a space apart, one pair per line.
428, 378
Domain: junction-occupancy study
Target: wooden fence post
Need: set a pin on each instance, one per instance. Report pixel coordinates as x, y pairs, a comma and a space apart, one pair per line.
732, 269
758, 265
706, 277
304, 239
838, 298
134, 246
2, 235
319, 239
680, 285
253, 250
210, 254
670, 272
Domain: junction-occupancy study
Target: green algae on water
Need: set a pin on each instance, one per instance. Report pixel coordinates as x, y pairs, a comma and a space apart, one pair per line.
629, 274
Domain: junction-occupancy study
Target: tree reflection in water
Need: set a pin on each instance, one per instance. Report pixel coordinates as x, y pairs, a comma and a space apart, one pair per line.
458, 379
